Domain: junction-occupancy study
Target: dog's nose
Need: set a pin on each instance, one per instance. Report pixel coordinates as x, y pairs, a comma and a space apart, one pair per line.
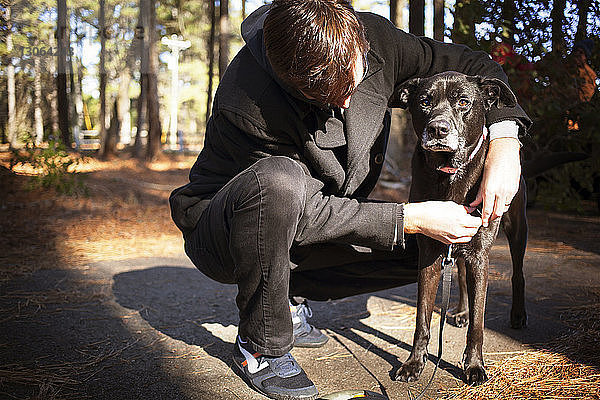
439, 128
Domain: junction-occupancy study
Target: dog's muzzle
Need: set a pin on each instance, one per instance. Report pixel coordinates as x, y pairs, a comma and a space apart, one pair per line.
440, 135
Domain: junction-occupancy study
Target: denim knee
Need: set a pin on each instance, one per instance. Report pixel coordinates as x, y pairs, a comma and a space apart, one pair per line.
282, 183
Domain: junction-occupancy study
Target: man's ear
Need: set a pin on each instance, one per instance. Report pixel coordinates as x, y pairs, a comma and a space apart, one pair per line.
403, 92
495, 91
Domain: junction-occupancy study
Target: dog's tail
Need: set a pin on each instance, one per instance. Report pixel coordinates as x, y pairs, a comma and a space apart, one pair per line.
545, 162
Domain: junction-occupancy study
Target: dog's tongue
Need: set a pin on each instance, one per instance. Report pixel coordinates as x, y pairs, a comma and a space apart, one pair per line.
448, 170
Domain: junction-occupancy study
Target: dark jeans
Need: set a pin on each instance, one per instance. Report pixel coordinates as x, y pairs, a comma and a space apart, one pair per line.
246, 236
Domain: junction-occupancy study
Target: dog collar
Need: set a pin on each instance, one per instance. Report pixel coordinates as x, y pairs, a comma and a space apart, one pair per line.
452, 170
479, 143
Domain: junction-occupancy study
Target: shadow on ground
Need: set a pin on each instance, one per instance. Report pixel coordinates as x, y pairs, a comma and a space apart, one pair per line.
186, 306
183, 304
62, 338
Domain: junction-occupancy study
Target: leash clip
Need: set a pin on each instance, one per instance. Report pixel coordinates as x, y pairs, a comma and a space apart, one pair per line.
448, 261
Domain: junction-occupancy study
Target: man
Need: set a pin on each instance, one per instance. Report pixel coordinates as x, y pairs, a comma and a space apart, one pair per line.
297, 137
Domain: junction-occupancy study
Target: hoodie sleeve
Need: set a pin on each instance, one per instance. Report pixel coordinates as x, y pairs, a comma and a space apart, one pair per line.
335, 219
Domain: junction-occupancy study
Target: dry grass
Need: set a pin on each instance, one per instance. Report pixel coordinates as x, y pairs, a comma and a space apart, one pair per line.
540, 374
27, 304
63, 380
566, 368
125, 215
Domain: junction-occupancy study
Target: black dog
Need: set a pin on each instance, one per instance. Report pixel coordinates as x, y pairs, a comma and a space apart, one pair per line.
448, 112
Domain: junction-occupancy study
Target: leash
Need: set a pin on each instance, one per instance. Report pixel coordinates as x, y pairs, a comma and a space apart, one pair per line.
447, 265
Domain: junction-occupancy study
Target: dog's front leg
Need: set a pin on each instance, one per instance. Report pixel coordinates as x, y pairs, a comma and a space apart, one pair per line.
459, 316
477, 280
427, 288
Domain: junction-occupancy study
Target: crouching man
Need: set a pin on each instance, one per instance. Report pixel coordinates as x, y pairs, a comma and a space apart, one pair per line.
295, 144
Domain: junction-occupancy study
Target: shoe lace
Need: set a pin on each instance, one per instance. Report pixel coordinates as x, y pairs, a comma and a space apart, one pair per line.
304, 311
285, 364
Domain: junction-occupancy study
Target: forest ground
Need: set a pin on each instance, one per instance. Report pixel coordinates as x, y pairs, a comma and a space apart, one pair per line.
98, 300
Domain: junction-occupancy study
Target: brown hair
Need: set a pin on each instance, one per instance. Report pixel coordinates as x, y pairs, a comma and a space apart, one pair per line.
312, 46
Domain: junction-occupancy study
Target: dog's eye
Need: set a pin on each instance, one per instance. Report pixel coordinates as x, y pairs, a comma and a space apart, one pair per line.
463, 102
425, 103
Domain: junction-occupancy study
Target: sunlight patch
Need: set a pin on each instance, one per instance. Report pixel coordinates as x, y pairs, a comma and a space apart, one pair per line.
225, 333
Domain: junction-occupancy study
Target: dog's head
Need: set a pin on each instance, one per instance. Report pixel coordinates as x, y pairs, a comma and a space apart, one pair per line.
448, 113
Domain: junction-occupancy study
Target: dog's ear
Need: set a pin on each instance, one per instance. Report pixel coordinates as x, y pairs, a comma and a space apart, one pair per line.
403, 92
495, 91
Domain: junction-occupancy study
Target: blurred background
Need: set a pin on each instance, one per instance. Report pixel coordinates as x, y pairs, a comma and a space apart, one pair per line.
115, 78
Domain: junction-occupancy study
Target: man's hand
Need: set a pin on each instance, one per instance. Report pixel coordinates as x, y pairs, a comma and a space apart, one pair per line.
445, 221
500, 181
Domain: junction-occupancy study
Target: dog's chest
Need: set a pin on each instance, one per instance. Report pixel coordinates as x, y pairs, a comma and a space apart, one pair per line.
435, 185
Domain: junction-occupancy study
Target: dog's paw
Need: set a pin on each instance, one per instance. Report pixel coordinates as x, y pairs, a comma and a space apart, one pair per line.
518, 319
475, 375
410, 371
457, 318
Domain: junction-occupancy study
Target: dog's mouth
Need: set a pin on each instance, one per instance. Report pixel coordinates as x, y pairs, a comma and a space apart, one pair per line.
441, 148
442, 159
438, 147
448, 144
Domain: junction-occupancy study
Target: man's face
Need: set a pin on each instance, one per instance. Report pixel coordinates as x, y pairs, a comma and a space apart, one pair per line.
360, 69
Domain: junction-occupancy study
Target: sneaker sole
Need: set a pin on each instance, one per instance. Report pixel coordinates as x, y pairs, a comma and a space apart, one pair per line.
311, 345
239, 372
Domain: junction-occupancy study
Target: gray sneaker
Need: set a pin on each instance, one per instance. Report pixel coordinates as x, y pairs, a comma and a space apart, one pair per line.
305, 335
278, 378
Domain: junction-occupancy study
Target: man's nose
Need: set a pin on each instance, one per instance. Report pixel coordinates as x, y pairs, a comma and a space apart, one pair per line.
439, 128
346, 102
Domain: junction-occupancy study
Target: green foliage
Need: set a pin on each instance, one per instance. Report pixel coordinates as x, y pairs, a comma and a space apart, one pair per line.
467, 13
546, 83
563, 123
54, 167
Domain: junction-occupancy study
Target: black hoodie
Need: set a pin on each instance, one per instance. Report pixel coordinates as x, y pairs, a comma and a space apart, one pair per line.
254, 116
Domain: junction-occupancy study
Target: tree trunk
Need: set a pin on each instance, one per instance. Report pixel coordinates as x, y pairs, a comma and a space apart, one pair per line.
154, 129
558, 16
124, 106
75, 103
62, 36
211, 58
142, 32
438, 20
76, 79
396, 12
223, 37
37, 112
141, 124
110, 142
416, 17
102, 69
10, 78
243, 9
509, 13
465, 14
583, 10
52, 95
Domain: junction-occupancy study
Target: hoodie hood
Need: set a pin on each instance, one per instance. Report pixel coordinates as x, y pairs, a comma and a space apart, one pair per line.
252, 33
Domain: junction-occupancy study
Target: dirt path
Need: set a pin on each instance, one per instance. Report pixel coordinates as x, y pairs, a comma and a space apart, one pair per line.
97, 300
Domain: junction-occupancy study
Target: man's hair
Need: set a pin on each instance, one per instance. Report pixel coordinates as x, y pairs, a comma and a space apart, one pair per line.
312, 46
